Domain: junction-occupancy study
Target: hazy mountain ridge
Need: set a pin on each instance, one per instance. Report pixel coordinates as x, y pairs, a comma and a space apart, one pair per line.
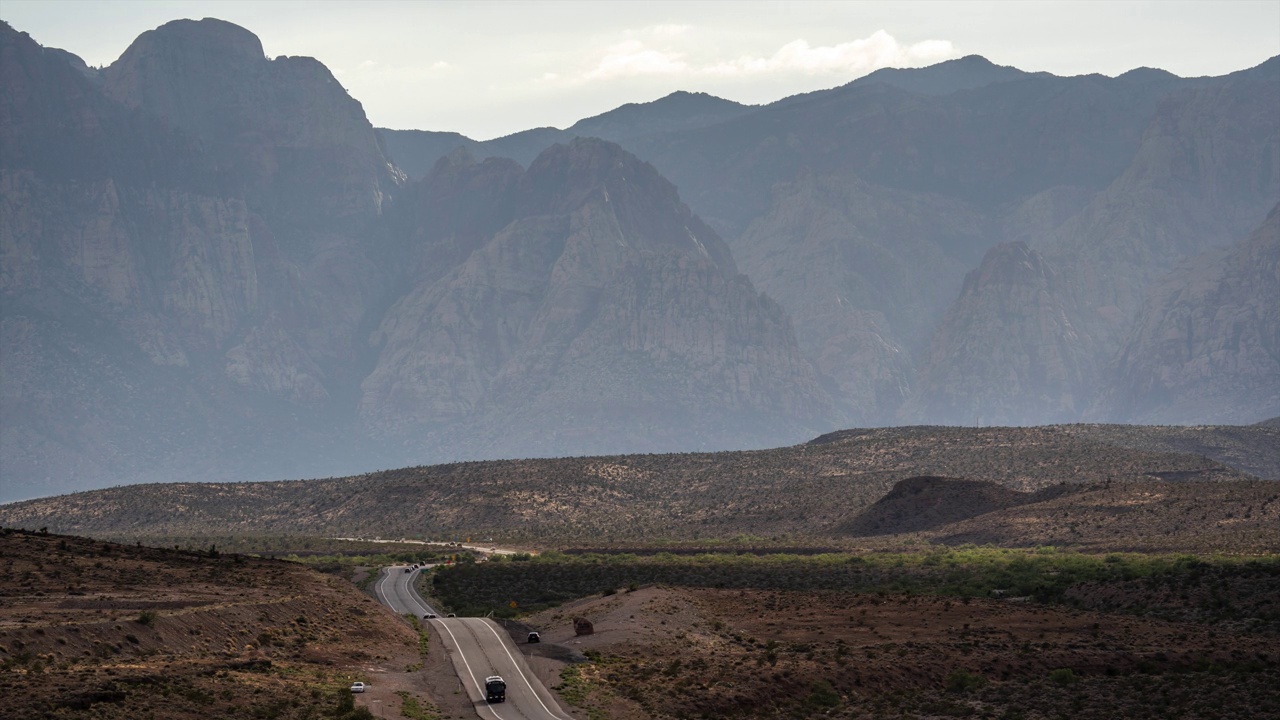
416, 151
197, 221
1207, 331
257, 254
602, 314
159, 285
861, 209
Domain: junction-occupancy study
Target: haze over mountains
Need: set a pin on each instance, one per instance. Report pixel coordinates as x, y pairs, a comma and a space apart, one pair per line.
214, 267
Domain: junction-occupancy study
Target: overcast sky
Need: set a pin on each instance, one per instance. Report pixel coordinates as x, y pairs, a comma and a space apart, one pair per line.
491, 68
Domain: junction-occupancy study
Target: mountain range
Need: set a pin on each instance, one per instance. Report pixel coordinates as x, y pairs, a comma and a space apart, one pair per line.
214, 267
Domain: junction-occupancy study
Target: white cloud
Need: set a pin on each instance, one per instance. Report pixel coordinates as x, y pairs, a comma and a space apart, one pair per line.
857, 57
634, 58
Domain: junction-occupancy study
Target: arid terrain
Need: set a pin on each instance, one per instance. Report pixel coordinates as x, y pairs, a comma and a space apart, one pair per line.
98, 630
662, 652
1036, 573
815, 490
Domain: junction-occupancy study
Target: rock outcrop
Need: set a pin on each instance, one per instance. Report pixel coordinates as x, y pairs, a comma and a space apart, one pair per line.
603, 315
1207, 341
185, 256
1009, 350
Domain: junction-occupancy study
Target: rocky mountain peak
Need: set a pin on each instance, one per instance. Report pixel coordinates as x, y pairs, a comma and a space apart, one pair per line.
207, 39
680, 110
585, 164
1011, 263
1013, 331
1147, 74
944, 78
645, 208
284, 130
460, 158
601, 314
212, 79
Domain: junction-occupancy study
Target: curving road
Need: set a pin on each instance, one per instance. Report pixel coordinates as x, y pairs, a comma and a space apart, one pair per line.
394, 588
478, 648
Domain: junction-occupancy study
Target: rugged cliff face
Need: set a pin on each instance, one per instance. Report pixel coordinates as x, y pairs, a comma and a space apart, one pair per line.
860, 209
1008, 349
863, 270
1205, 174
283, 129
211, 271
1207, 340
602, 316
165, 306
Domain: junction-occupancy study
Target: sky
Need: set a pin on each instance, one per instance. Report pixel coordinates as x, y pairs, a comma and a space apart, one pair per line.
488, 69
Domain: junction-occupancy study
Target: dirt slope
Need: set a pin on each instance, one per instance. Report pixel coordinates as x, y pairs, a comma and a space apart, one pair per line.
121, 631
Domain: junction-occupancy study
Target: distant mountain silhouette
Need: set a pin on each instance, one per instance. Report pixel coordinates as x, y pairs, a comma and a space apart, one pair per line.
213, 267
944, 78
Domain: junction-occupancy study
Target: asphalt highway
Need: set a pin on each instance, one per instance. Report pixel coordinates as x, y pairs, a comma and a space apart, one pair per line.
394, 588
478, 648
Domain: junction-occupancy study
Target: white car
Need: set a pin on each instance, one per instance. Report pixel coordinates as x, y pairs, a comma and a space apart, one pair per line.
357, 687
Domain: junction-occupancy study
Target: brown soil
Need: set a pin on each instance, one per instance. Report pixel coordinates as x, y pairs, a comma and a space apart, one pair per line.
763, 654
111, 631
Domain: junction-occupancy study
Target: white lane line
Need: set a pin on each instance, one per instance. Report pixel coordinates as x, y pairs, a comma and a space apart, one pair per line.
413, 591
471, 672
516, 665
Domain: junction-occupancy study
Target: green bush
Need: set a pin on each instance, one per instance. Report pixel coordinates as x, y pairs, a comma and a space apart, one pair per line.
1064, 677
823, 695
963, 681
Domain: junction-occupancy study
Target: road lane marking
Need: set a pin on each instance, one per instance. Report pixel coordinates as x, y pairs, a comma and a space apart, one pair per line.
471, 672
399, 587
516, 665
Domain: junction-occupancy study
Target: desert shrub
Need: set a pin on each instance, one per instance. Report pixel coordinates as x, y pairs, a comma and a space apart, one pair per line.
822, 695
1046, 576
963, 681
1064, 677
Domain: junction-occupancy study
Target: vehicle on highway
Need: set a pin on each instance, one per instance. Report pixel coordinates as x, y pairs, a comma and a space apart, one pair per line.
429, 616
535, 637
452, 615
357, 687
495, 689
408, 569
